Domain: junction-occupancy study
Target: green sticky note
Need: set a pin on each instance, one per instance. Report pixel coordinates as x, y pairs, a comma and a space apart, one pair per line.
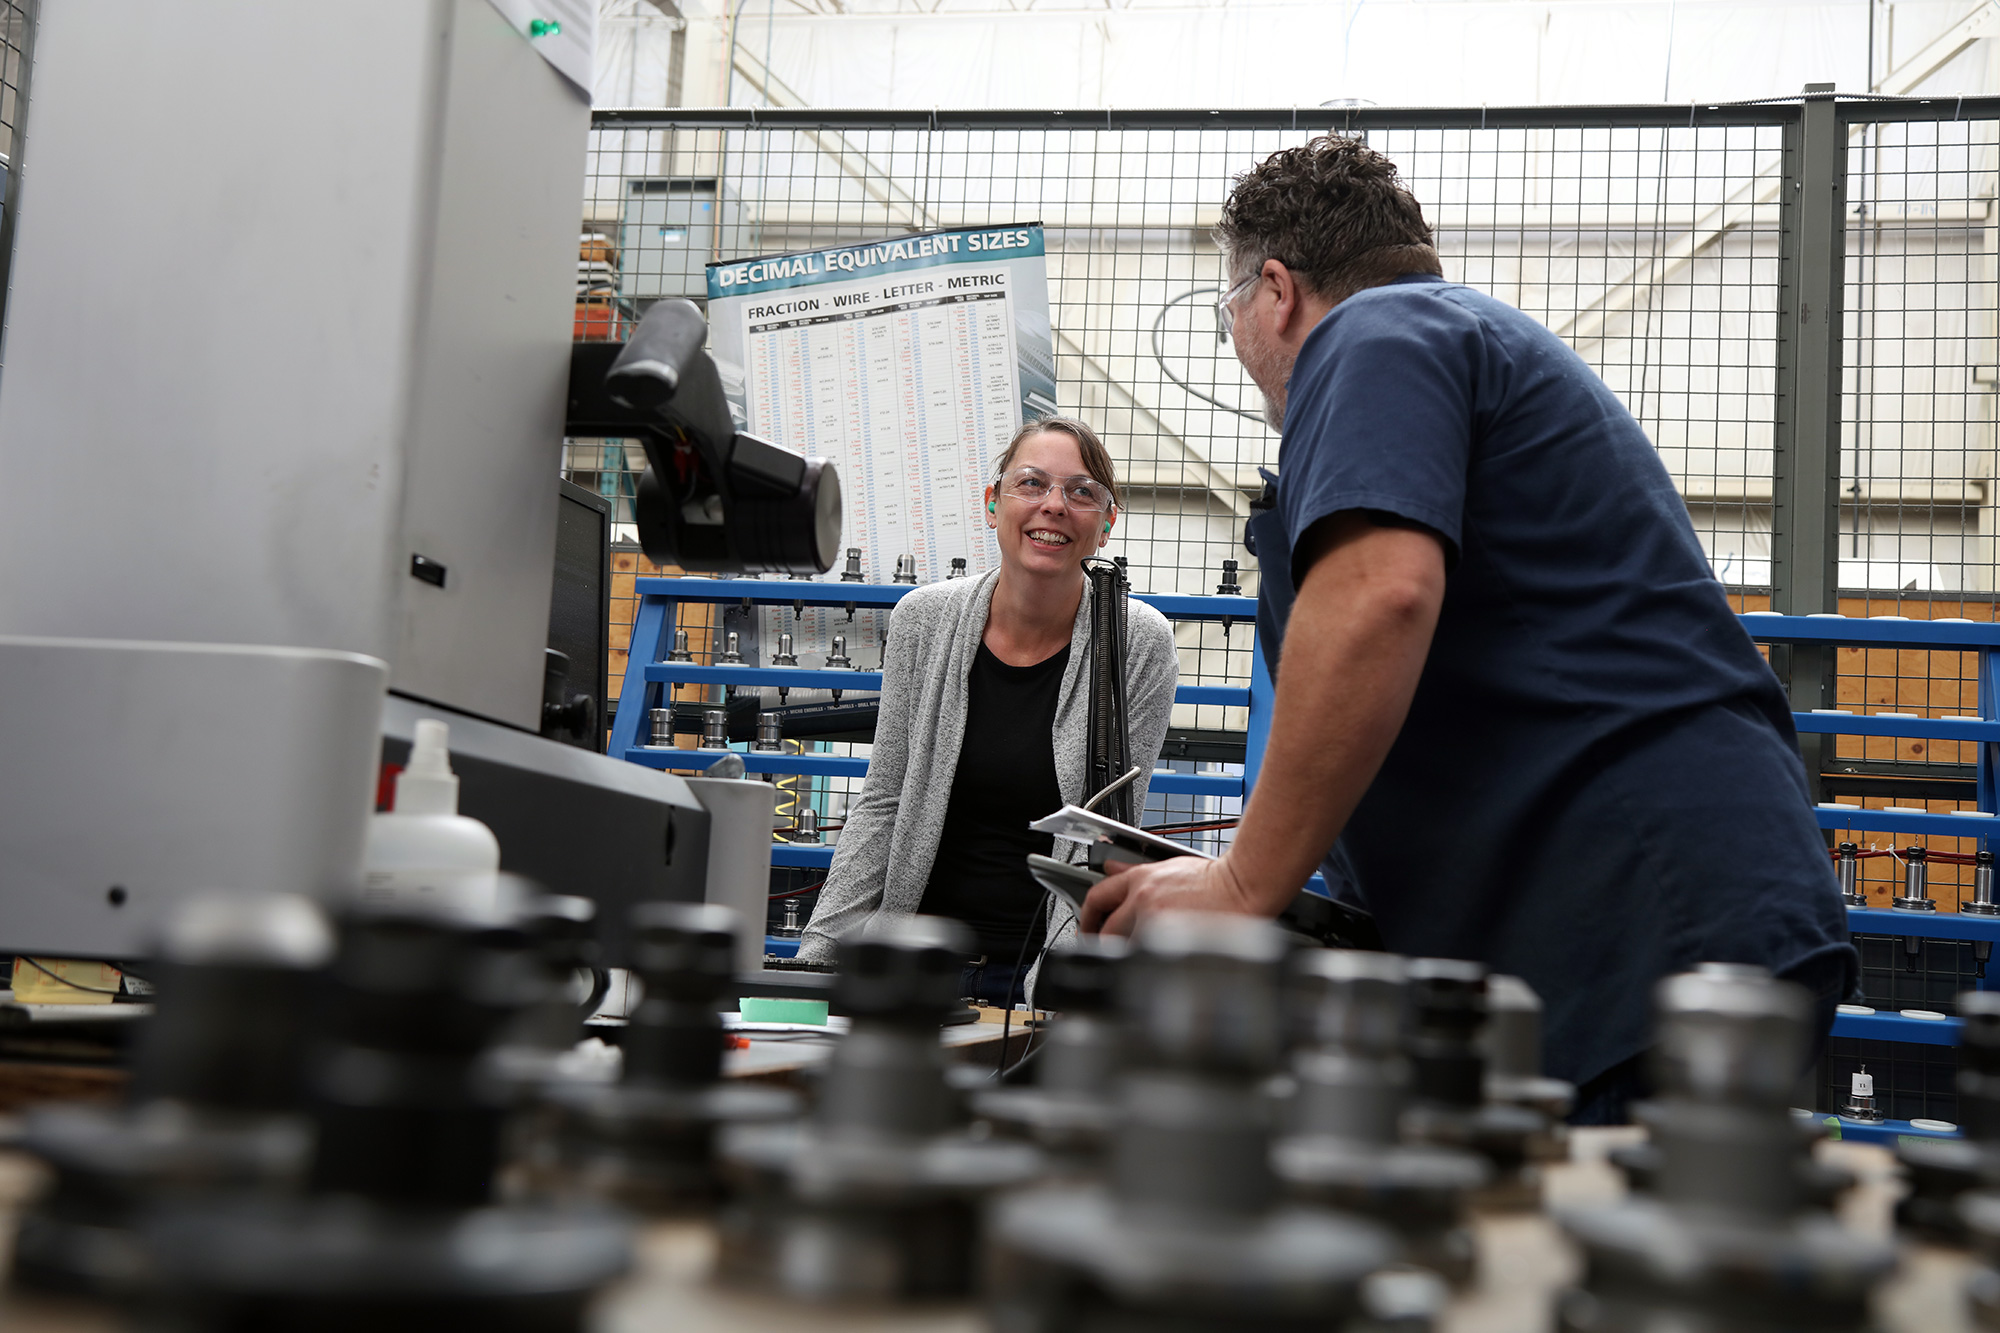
765, 1009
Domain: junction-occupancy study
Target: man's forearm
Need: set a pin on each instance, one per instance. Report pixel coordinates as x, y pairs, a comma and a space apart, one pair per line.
1360, 630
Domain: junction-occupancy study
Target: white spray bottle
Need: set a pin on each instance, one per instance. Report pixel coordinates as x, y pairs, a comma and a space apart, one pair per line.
424, 854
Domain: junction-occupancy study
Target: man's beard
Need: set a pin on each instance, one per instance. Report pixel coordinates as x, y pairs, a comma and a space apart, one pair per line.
1261, 366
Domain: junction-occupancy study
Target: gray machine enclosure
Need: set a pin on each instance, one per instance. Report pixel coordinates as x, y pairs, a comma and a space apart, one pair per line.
291, 305
125, 789
292, 302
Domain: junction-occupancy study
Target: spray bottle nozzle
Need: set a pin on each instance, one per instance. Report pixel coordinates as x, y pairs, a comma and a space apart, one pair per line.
427, 786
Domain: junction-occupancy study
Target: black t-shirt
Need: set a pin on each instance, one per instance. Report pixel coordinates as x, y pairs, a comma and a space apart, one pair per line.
1006, 778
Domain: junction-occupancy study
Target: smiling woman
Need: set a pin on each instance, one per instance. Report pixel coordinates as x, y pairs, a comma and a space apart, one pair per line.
983, 718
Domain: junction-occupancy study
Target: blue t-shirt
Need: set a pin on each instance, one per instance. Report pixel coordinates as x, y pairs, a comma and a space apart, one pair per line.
1598, 782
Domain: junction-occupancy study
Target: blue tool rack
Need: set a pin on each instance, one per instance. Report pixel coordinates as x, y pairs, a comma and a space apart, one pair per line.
648, 678
647, 675
1927, 635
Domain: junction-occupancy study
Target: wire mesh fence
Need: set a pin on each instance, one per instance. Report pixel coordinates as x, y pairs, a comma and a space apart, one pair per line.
1654, 240
1652, 248
1916, 476
1917, 387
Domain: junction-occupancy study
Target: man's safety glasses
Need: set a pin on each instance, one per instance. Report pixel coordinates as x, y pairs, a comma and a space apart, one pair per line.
1225, 304
1033, 485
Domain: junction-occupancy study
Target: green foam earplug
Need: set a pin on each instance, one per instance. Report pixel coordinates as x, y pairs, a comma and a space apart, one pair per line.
764, 1009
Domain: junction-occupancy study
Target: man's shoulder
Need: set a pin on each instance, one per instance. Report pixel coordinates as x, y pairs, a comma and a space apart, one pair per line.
1427, 314
1431, 317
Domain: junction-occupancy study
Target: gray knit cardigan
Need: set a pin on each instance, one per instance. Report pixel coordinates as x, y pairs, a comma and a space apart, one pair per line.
890, 840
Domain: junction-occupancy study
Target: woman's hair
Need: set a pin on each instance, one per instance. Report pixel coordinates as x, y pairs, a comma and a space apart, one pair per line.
1096, 458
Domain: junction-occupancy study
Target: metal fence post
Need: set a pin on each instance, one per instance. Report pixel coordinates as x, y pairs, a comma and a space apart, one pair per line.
1805, 496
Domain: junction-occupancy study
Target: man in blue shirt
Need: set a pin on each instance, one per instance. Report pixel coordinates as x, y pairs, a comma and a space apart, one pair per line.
1507, 680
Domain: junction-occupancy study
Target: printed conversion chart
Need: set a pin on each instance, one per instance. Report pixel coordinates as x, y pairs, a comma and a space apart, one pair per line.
909, 362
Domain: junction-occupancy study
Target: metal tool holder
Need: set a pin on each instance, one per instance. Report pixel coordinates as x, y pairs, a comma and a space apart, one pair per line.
1448, 1104
1072, 1105
400, 1226
1941, 1172
1729, 1236
214, 1100
562, 934
876, 1197
1514, 1060
1351, 1082
1847, 869
1983, 902
648, 1140
1819, 1184
1192, 1231
1916, 894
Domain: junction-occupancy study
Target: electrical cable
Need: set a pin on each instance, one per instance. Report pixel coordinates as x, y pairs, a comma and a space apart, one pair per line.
788, 783
1007, 1015
1160, 359
1210, 827
1047, 943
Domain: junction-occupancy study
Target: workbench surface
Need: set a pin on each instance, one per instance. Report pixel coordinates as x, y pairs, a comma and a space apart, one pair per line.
1523, 1263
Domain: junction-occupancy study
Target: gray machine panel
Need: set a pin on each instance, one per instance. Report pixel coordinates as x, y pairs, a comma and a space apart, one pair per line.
739, 863
215, 291
668, 233
137, 774
277, 323
493, 374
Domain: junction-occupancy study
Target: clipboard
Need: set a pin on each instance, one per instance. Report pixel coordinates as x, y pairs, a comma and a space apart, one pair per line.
1108, 839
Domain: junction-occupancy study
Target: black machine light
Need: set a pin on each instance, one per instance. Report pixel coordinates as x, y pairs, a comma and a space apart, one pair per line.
713, 498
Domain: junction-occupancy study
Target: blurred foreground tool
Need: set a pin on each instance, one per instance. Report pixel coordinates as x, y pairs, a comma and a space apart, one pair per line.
1450, 1106
877, 1196
1351, 1085
1191, 1232
1730, 1237
399, 1228
649, 1139
214, 1099
1943, 1171
1072, 1105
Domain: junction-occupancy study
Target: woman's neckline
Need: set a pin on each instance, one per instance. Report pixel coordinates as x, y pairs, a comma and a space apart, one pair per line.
987, 648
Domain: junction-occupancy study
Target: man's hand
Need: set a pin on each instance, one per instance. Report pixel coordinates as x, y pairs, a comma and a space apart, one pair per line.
1360, 631
1190, 883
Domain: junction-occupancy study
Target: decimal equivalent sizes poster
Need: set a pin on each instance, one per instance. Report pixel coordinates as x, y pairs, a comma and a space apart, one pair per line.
909, 362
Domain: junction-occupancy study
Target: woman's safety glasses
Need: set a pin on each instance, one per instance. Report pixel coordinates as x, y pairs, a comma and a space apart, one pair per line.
1033, 485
